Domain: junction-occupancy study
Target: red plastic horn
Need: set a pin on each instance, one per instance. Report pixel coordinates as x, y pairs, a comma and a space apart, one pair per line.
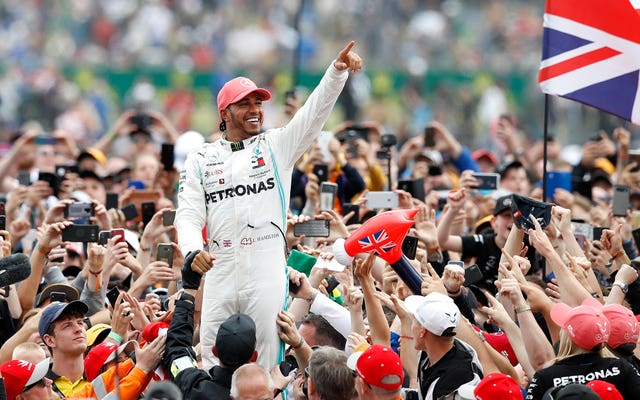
383, 235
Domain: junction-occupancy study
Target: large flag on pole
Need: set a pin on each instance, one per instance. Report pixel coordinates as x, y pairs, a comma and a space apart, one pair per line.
591, 54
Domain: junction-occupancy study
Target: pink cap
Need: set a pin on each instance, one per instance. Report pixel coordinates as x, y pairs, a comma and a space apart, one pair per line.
624, 325
237, 89
586, 324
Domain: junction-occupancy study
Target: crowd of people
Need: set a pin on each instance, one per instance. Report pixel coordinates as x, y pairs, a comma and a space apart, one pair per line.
156, 261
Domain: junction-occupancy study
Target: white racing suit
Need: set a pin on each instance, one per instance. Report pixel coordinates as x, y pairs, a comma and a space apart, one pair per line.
240, 191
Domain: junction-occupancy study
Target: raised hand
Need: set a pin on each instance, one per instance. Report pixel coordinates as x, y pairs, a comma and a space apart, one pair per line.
348, 59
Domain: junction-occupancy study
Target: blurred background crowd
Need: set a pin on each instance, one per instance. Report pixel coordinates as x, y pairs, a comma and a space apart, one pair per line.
77, 64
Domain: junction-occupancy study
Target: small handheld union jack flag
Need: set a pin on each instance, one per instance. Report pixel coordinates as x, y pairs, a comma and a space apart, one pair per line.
377, 243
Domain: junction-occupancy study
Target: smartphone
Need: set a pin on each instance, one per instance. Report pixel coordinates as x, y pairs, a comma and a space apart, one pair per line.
112, 201
293, 287
148, 209
487, 181
472, 275
103, 237
168, 217
45, 140
347, 208
112, 296
429, 136
413, 186
80, 213
382, 200
312, 228
581, 239
164, 253
636, 237
321, 171
24, 178
288, 364
558, 180
119, 233
597, 232
130, 212
166, 156
620, 200
458, 263
328, 191
582, 228
58, 296
81, 233
409, 246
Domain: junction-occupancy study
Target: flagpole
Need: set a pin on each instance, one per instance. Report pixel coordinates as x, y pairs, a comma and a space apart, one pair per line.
545, 133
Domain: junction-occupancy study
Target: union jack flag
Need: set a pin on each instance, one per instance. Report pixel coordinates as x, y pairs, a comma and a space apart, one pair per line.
377, 243
591, 54
226, 243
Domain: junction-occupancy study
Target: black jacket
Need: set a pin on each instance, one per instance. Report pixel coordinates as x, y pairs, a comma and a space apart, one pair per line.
584, 368
194, 383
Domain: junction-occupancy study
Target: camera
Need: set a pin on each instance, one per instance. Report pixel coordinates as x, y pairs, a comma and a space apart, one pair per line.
142, 122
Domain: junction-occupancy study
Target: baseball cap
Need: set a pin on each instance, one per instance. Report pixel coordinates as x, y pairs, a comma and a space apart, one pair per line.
69, 291
19, 374
624, 325
433, 155
97, 333
500, 342
483, 224
503, 203
504, 168
605, 390
573, 391
586, 324
153, 330
435, 312
486, 154
236, 340
378, 366
98, 357
493, 386
94, 153
237, 89
56, 310
164, 390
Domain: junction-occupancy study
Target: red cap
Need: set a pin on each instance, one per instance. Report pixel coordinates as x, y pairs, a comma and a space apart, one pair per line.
237, 89
498, 386
586, 324
153, 330
500, 342
18, 374
605, 390
484, 153
97, 357
624, 325
378, 366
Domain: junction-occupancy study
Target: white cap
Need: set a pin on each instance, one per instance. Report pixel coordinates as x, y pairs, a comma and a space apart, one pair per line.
436, 312
132, 240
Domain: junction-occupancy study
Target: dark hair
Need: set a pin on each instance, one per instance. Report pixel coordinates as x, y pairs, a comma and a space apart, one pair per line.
331, 376
325, 335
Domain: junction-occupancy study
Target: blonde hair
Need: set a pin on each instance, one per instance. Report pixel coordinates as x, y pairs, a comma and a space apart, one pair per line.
566, 349
29, 351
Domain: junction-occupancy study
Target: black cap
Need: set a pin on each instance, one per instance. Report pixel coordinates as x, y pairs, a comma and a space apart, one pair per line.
503, 203
573, 391
502, 170
236, 340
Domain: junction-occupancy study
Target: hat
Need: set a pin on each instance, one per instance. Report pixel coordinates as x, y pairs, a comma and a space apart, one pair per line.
433, 155
185, 143
97, 333
600, 175
586, 324
502, 204
500, 342
55, 311
236, 340
87, 173
435, 312
69, 291
18, 374
493, 386
502, 170
486, 154
94, 153
572, 391
97, 358
483, 223
624, 325
153, 330
237, 89
523, 207
164, 390
378, 366
605, 165
605, 390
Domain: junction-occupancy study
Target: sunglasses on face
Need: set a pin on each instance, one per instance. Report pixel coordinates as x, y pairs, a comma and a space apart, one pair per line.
41, 383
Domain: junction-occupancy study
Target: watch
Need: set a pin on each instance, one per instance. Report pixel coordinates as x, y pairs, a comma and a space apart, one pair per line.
623, 286
186, 297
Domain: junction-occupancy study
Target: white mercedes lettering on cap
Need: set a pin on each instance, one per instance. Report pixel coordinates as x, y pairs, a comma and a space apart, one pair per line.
246, 83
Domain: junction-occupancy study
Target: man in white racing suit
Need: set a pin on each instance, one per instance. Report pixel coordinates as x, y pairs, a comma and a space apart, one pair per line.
239, 188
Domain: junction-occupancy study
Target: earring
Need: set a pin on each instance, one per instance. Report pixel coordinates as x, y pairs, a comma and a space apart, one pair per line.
223, 126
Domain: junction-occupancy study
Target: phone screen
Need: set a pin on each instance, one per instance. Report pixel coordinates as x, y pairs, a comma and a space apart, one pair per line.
112, 296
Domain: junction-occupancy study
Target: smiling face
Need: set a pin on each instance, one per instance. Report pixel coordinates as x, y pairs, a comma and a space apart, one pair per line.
244, 118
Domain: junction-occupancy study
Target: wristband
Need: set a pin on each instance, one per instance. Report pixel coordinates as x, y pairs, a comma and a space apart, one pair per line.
406, 337
453, 291
42, 251
300, 343
95, 273
114, 336
521, 309
144, 249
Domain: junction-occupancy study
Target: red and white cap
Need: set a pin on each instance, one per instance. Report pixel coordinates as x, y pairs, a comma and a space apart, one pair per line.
378, 366
18, 374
